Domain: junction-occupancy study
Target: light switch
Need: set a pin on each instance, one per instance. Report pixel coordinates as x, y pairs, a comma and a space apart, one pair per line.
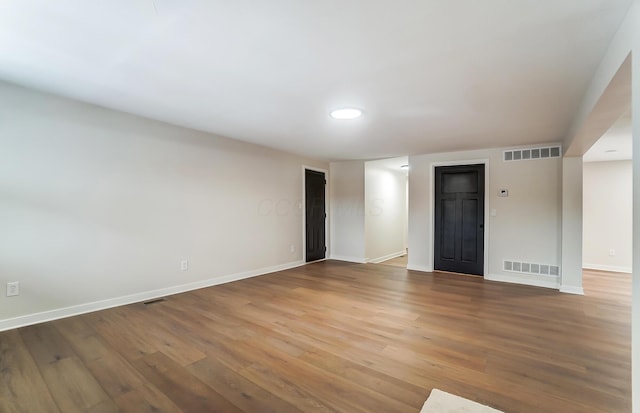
494, 212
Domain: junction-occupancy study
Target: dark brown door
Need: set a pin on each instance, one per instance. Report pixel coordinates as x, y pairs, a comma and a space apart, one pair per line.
459, 219
315, 214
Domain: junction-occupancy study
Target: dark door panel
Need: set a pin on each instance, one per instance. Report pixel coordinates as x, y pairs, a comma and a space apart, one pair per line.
448, 239
469, 230
459, 219
315, 214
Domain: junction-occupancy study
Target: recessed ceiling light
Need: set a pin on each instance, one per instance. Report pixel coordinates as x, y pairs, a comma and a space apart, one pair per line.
346, 113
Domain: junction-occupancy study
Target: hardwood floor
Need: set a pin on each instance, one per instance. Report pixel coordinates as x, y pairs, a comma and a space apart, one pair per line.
332, 337
397, 262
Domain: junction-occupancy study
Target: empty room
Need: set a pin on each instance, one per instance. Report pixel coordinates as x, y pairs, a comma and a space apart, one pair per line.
198, 200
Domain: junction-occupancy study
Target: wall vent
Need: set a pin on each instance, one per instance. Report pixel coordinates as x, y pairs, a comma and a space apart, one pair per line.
531, 268
532, 153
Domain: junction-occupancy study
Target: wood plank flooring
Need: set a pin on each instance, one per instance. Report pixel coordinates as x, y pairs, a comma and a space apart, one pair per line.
332, 337
398, 261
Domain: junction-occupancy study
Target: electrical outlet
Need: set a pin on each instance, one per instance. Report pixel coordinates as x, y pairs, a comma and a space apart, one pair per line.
612, 252
292, 248
13, 289
184, 265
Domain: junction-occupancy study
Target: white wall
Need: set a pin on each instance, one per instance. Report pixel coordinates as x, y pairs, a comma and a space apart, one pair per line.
99, 205
571, 280
527, 224
346, 184
607, 215
406, 214
633, 20
386, 210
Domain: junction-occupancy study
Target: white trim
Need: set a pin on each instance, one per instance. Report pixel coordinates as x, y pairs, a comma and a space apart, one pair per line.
517, 278
569, 289
320, 260
58, 313
419, 268
387, 257
610, 268
348, 259
487, 217
304, 210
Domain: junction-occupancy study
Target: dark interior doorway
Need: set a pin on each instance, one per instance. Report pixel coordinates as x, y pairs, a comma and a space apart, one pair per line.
315, 215
459, 219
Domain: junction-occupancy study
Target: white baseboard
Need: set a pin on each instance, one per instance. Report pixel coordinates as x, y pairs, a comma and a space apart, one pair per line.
349, 259
387, 257
25, 320
523, 279
569, 289
610, 268
419, 268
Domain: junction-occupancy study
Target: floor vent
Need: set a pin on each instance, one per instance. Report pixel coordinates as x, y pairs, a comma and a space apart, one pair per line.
532, 153
158, 300
531, 268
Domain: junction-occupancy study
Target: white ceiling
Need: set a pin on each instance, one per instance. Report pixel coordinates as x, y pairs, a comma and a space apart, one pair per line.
430, 75
614, 145
394, 164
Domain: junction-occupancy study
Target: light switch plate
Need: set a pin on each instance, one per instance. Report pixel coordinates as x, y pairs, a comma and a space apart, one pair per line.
13, 289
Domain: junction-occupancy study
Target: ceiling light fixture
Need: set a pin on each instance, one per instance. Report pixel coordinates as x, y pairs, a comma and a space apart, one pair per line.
346, 113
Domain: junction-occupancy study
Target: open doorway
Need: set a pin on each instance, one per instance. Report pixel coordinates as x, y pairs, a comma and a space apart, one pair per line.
386, 212
608, 208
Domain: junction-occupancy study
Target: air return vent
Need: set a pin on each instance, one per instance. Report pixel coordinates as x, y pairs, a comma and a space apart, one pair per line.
531, 268
532, 153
